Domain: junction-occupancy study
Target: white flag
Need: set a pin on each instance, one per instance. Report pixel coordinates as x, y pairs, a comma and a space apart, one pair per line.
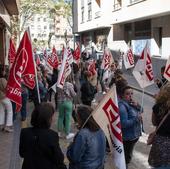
143, 71
107, 116
167, 70
106, 62
128, 59
64, 71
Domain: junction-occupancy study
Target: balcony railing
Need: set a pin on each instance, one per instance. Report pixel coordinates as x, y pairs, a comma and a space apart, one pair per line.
98, 14
135, 1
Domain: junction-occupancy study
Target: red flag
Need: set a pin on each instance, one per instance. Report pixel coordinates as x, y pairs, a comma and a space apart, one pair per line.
53, 60
12, 52
22, 71
76, 54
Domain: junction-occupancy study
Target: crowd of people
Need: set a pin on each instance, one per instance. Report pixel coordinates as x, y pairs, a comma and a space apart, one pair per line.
39, 145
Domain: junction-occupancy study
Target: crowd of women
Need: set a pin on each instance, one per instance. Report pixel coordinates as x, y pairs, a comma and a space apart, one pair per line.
39, 145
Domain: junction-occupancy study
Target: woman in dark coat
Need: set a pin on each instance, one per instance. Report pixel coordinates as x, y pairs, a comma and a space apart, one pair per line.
39, 145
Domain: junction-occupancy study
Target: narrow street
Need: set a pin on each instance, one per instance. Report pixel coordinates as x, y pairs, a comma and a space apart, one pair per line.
140, 155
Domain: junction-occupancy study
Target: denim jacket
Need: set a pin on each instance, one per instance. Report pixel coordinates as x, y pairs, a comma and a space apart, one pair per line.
87, 150
130, 123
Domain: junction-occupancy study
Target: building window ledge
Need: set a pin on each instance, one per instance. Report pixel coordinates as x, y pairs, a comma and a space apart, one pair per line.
135, 2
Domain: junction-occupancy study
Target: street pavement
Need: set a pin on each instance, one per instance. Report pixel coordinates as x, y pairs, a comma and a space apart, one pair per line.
9, 156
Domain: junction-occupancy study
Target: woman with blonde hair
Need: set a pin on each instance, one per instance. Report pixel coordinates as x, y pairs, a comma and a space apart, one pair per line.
159, 157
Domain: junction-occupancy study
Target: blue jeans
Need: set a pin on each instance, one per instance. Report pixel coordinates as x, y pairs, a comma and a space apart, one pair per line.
24, 105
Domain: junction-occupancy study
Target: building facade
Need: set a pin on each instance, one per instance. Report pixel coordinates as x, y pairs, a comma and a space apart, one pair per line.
122, 22
7, 9
49, 30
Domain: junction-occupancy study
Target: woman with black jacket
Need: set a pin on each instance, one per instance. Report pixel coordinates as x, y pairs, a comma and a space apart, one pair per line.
39, 145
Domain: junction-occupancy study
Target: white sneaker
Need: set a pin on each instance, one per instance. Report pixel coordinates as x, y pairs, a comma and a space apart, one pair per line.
70, 135
104, 92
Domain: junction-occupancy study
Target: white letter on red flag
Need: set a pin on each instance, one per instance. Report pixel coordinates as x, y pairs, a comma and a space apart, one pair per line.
22, 71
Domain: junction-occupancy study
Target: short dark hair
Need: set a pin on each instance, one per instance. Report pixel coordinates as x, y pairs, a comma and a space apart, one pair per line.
42, 115
125, 88
84, 112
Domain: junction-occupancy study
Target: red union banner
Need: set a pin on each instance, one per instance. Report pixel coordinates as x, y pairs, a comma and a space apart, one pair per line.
107, 116
12, 52
167, 70
22, 71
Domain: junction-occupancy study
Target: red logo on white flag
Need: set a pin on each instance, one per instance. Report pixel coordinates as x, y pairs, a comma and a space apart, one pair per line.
107, 116
112, 113
167, 70
53, 59
130, 57
64, 71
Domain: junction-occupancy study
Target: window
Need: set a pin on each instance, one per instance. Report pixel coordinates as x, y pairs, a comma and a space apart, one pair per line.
32, 26
117, 5
38, 19
157, 35
89, 10
45, 19
38, 27
82, 14
82, 3
32, 35
143, 29
45, 27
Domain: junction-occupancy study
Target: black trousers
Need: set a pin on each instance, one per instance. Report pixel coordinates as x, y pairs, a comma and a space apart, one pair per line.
128, 148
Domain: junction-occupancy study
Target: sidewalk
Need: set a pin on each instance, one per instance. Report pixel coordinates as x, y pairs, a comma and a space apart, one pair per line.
9, 142
150, 90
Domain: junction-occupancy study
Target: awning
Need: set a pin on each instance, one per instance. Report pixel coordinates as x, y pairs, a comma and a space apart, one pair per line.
5, 19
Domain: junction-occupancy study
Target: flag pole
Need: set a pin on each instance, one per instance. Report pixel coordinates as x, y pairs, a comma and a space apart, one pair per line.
36, 78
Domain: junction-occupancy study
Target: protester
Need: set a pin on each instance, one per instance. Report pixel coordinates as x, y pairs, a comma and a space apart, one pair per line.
159, 156
6, 113
161, 82
88, 148
39, 145
88, 91
65, 106
130, 116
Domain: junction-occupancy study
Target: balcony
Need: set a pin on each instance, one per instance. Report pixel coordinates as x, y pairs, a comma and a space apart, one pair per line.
131, 2
97, 14
12, 6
